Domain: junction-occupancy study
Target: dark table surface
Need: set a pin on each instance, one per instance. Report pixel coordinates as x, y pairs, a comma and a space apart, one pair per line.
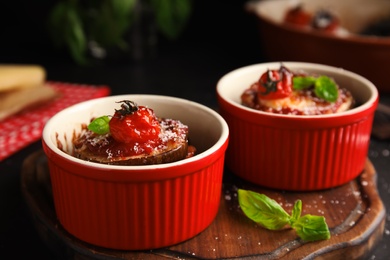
216, 41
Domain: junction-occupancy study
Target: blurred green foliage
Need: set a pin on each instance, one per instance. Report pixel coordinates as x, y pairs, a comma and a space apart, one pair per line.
73, 23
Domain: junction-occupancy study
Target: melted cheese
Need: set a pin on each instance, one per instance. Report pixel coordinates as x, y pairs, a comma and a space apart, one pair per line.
308, 105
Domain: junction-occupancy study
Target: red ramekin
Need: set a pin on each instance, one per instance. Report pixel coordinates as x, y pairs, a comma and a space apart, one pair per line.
137, 207
292, 152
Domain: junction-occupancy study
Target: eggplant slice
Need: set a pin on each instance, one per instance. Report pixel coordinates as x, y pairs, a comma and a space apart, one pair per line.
175, 149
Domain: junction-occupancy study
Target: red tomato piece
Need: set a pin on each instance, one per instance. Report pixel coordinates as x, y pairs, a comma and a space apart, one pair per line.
275, 84
137, 127
298, 16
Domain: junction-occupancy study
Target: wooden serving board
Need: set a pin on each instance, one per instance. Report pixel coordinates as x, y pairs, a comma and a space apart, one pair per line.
354, 212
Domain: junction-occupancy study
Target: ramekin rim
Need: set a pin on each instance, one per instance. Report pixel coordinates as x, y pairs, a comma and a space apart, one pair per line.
362, 107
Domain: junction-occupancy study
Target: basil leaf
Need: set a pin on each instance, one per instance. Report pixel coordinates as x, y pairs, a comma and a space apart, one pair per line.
100, 125
303, 82
326, 89
268, 213
263, 210
311, 228
296, 212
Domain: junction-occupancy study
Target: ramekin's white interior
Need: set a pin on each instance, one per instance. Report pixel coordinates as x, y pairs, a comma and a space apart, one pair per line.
232, 85
208, 131
354, 15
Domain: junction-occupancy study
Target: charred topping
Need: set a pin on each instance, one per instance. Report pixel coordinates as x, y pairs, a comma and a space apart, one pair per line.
127, 107
323, 19
270, 85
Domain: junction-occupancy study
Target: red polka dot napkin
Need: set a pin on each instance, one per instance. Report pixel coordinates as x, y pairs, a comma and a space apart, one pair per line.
18, 131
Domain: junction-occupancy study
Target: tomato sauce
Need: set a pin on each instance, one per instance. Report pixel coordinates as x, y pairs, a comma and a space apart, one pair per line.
106, 146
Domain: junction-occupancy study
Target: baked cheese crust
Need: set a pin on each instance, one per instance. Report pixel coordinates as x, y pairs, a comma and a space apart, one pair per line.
300, 102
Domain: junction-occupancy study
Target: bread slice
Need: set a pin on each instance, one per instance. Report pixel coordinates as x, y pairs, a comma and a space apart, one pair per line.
99, 148
14, 101
13, 77
22, 87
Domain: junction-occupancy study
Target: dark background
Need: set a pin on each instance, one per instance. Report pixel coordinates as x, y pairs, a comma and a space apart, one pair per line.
221, 36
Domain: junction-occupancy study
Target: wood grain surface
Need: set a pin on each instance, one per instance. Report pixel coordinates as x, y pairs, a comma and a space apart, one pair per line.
354, 212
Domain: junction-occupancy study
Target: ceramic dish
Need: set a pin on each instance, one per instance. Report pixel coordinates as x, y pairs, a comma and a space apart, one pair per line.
292, 152
366, 55
137, 207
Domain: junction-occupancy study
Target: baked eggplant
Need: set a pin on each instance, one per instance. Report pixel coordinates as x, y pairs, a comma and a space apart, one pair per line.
135, 136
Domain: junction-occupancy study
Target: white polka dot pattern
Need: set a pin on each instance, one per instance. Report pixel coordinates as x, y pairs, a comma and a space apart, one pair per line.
18, 131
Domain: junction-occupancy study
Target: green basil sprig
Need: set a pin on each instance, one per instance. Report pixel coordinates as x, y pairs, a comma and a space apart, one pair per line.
100, 125
324, 87
269, 214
